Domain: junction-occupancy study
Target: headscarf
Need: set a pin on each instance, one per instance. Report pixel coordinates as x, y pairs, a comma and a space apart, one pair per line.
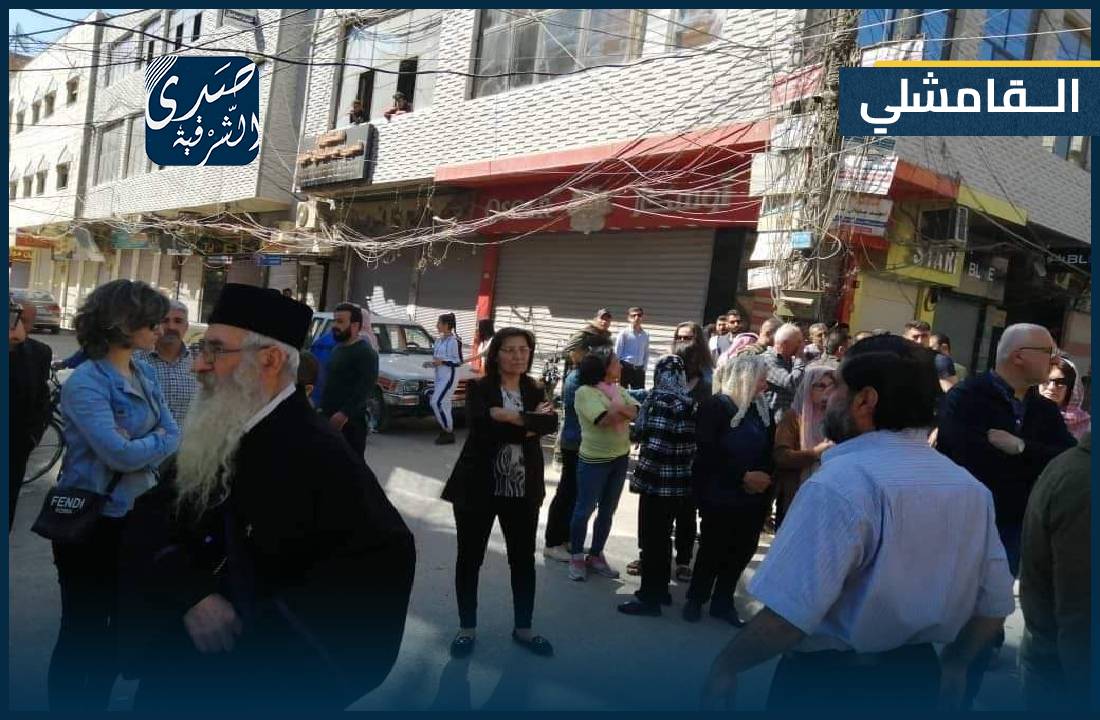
742, 340
1078, 421
736, 378
811, 422
670, 378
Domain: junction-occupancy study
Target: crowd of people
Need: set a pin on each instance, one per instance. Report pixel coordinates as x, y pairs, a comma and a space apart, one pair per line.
245, 555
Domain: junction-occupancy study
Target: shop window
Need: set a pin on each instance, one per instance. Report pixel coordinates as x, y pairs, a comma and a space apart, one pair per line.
48, 103
1009, 34
71, 89
63, 176
521, 47
40, 182
693, 27
886, 25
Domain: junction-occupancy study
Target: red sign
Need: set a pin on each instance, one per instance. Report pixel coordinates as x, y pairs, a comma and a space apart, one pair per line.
698, 203
30, 240
803, 83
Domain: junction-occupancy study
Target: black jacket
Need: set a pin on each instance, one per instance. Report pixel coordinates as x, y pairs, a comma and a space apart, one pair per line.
314, 552
471, 481
725, 454
28, 394
977, 405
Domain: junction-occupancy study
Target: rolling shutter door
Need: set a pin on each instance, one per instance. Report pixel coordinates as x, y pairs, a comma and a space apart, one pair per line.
451, 287
553, 284
384, 287
958, 319
885, 304
284, 276
145, 266
245, 272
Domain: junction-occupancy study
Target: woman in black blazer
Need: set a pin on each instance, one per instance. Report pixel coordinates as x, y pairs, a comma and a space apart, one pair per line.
499, 475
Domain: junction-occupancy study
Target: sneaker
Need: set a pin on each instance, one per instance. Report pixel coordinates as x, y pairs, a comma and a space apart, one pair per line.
558, 552
578, 570
600, 567
445, 438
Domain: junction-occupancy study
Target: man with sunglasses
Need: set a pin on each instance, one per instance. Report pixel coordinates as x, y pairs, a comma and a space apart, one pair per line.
998, 426
28, 400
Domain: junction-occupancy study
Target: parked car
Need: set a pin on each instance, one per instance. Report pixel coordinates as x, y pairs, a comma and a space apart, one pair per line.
404, 384
48, 315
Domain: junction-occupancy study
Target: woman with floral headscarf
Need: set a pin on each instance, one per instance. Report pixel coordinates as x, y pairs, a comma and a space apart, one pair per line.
800, 436
731, 480
1062, 387
662, 477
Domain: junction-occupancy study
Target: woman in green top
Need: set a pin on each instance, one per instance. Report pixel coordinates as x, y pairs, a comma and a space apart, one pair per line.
604, 410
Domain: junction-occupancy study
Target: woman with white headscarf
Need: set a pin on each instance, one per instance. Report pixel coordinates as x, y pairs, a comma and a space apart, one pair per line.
1064, 388
800, 436
732, 482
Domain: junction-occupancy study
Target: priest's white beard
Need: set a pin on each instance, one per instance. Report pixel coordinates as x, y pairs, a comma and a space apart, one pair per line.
212, 433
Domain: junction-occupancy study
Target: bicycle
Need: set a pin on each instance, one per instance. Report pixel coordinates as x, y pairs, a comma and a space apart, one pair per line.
47, 453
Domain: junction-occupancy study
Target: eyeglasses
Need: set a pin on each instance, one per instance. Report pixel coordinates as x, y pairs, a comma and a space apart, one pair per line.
685, 338
211, 352
1060, 382
1050, 352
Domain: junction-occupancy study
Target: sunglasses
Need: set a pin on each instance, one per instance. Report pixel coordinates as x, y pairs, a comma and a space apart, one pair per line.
685, 338
1060, 382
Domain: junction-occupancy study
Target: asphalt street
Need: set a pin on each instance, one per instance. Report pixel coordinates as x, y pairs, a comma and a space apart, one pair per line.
604, 660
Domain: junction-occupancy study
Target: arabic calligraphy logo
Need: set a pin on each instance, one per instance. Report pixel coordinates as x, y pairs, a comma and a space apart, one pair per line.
202, 111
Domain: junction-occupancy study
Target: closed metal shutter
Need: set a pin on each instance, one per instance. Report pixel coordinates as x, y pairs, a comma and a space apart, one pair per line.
958, 319
145, 266
553, 284
190, 292
385, 286
20, 275
245, 273
313, 285
884, 304
451, 287
284, 276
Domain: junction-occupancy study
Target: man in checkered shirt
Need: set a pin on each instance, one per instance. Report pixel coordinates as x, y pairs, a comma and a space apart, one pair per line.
171, 361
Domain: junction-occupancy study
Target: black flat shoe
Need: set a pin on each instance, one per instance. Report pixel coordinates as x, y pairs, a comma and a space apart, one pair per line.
693, 611
637, 607
445, 438
666, 600
537, 644
462, 646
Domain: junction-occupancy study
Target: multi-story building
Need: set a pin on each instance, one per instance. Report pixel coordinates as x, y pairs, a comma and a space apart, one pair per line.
133, 206
49, 107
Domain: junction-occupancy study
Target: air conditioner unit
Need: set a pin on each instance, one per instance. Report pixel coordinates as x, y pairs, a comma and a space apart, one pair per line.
950, 225
308, 217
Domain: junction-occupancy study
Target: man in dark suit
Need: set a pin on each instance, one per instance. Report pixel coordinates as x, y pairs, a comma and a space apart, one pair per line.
28, 397
282, 583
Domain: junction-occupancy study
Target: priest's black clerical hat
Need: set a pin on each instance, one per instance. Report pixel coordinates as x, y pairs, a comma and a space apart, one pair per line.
265, 311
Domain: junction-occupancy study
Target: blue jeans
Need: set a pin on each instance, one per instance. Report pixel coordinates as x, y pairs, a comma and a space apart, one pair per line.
598, 485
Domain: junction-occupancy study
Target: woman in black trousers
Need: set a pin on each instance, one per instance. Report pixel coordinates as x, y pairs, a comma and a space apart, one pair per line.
499, 476
732, 482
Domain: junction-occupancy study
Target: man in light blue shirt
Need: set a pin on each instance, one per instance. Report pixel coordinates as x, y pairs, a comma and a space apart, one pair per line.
887, 549
632, 347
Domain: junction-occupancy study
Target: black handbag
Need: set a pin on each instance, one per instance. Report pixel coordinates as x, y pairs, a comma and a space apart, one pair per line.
69, 514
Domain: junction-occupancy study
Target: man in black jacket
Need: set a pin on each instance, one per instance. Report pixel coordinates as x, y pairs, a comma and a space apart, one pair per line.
28, 397
273, 573
998, 426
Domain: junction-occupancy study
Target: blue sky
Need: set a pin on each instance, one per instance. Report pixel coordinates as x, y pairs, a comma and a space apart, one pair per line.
32, 22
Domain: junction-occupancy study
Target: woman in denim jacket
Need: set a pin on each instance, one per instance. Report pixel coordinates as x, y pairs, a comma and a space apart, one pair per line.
116, 422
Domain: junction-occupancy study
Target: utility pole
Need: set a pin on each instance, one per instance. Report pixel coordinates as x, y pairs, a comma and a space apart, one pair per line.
827, 257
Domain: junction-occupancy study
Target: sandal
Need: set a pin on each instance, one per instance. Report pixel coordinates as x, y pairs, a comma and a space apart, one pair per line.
462, 646
634, 567
537, 644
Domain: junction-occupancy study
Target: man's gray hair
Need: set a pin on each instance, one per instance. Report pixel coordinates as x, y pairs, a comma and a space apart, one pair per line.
177, 305
290, 368
786, 332
1015, 337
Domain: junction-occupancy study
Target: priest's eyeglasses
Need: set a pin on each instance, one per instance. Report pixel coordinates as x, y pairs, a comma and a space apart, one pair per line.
210, 352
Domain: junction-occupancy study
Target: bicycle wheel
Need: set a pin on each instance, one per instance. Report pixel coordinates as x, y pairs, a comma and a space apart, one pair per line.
46, 454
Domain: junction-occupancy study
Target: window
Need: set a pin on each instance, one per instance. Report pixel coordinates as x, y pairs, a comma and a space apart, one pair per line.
36, 111
184, 26
521, 47
110, 147
40, 182
406, 78
693, 27
1002, 23
137, 160
119, 54
148, 42
49, 102
19, 118
935, 26
13, 189
63, 176
196, 27
71, 89
1075, 148
1074, 45
27, 182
